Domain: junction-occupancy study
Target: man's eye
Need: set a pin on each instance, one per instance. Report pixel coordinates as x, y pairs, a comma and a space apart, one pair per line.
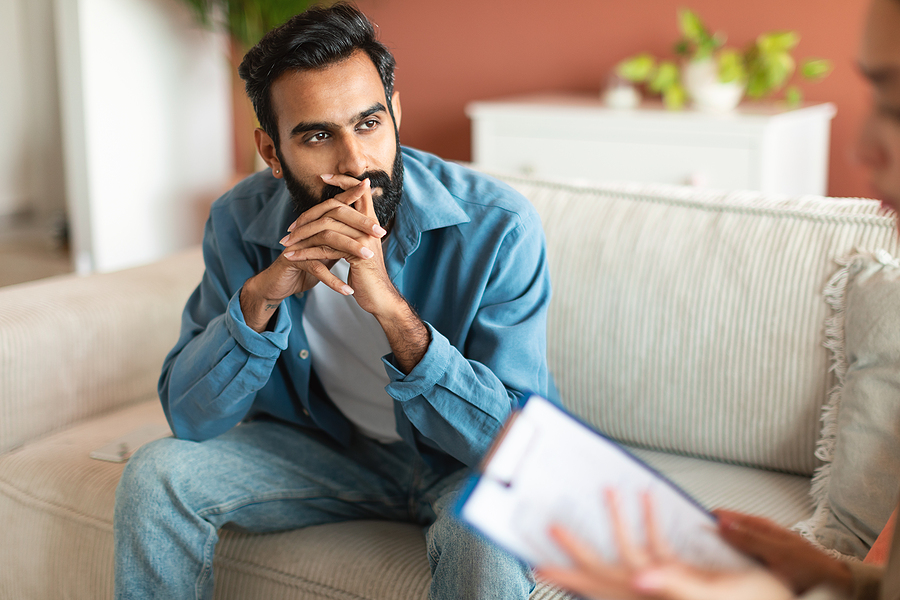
319, 137
369, 124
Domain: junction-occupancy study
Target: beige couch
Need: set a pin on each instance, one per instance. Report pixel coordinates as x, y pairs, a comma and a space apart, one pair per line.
688, 324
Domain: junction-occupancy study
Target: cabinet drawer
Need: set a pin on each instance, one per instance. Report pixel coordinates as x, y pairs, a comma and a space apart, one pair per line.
640, 161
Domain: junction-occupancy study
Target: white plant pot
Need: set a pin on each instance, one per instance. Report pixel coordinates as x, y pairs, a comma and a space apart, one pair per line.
622, 97
701, 80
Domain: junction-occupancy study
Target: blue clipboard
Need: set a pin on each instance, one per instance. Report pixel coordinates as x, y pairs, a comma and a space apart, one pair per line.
548, 466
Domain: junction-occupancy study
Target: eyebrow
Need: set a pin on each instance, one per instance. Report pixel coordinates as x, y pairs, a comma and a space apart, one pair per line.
303, 126
879, 75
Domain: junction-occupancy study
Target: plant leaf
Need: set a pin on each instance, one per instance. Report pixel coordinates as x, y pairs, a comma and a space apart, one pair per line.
637, 68
757, 84
777, 41
731, 66
815, 68
247, 20
793, 96
719, 39
691, 26
779, 67
664, 77
674, 96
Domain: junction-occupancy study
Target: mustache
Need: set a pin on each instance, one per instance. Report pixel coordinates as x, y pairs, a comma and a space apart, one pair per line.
377, 179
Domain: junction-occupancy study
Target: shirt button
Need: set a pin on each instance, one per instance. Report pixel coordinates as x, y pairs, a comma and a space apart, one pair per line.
305, 413
304, 354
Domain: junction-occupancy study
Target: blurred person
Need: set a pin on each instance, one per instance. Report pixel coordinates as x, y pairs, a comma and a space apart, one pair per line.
791, 567
368, 318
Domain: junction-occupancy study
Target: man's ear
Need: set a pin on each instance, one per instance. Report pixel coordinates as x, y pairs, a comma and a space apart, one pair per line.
395, 106
266, 148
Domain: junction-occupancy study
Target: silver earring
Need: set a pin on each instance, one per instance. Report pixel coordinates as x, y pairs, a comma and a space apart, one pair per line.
277, 171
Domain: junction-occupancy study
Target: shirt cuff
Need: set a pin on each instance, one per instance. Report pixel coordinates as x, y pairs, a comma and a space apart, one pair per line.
267, 344
424, 375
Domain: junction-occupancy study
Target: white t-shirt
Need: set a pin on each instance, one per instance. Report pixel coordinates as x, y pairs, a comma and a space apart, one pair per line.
346, 345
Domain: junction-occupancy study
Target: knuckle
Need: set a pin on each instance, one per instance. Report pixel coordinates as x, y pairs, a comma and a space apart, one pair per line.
332, 238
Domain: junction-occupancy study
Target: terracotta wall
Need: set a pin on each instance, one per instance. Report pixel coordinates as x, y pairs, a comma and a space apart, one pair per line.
450, 53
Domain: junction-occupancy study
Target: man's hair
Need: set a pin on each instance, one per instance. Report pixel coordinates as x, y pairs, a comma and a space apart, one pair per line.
313, 39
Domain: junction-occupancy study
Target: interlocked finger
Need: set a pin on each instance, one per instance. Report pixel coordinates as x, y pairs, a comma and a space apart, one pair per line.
318, 270
340, 218
331, 234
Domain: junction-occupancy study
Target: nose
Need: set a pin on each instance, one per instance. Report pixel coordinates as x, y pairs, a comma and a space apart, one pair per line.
869, 149
352, 159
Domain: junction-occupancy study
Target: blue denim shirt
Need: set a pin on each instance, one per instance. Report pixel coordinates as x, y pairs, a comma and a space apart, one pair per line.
466, 251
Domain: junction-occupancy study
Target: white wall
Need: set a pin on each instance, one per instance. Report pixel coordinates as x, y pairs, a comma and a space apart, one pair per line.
31, 164
13, 187
147, 121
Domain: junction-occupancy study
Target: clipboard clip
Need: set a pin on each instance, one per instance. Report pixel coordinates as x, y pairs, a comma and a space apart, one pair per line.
509, 450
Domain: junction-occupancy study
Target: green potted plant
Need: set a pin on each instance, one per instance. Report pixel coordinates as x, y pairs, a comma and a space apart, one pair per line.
716, 77
245, 22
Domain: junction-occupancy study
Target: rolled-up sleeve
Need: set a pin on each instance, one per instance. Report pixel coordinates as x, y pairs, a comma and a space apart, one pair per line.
458, 396
210, 378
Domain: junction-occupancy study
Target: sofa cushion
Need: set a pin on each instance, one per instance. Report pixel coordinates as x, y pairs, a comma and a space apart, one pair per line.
57, 503
856, 489
73, 347
781, 497
691, 321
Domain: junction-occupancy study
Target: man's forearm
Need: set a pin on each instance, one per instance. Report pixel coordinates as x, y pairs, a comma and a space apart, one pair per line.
407, 335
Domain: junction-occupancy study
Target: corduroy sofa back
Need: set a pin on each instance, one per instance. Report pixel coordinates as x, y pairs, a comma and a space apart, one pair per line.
687, 324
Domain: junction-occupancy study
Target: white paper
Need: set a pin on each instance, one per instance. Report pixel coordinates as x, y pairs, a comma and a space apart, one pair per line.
552, 469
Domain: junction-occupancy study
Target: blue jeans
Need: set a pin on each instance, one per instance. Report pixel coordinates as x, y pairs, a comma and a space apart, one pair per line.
265, 476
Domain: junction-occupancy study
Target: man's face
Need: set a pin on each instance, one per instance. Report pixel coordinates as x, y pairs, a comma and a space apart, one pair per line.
879, 62
336, 121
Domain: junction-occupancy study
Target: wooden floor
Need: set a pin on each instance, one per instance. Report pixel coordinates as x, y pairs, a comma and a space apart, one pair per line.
29, 251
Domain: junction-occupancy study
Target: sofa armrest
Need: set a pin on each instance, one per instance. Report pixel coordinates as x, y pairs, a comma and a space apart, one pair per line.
72, 347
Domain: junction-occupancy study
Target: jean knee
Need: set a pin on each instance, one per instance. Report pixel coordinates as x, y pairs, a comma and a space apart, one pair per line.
152, 472
449, 535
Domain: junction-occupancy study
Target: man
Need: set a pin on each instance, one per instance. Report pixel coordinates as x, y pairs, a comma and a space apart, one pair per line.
793, 567
368, 318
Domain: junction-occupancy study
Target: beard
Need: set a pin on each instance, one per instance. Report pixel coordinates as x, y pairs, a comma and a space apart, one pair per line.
385, 205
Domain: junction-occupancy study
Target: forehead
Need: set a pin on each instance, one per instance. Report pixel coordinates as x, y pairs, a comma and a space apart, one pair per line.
879, 55
332, 94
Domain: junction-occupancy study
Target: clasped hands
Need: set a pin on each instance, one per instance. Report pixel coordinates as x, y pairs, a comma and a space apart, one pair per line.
342, 227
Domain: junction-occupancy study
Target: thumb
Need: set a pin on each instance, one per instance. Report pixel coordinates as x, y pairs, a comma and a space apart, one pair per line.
365, 204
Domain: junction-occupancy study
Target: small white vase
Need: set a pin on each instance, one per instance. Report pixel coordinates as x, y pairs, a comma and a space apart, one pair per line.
701, 80
622, 97
620, 94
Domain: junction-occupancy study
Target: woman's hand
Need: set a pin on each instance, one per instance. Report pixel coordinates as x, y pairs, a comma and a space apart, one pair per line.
785, 553
651, 570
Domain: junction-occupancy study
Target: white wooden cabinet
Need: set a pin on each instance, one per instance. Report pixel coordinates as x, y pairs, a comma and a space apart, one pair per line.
576, 137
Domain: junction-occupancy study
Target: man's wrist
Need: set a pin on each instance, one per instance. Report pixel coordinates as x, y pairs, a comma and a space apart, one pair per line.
256, 308
407, 335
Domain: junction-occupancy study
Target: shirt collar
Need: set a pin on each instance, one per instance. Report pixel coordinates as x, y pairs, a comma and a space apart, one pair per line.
271, 223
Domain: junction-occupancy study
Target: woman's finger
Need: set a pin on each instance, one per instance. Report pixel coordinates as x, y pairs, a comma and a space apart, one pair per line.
629, 553
583, 556
656, 543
